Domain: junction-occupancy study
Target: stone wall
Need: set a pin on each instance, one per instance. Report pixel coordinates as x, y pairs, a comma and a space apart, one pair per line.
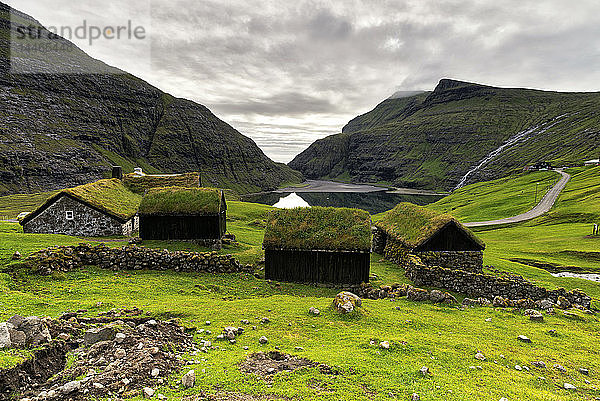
379, 239
511, 287
87, 222
463, 260
66, 258
397, 252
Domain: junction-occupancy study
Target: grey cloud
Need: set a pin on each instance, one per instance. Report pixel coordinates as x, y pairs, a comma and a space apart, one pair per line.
287, 103
298, 71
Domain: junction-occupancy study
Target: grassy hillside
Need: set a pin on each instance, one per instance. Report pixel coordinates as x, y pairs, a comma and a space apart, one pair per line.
431, 140
71, 123
491, 200
12, 205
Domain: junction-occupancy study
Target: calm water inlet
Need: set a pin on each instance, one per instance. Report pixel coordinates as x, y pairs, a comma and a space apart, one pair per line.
372, 202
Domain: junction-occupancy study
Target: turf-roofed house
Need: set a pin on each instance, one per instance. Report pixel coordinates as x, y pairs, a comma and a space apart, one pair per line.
318, 245
437, 239
178, 213
98, 209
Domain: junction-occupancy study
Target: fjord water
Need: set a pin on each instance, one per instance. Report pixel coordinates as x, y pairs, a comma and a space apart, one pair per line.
372, 202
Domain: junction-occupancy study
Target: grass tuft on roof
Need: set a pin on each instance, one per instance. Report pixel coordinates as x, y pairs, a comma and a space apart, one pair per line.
318, 228
109, 195
412, 225
181, 201
141, 184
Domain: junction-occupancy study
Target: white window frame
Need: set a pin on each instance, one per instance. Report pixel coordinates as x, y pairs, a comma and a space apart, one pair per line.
70, 215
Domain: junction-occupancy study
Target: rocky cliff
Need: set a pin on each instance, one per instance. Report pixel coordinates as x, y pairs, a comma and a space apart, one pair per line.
459, 133
67, 127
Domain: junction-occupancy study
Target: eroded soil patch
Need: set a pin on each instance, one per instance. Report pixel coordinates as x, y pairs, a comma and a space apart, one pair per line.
91, 358
265, 364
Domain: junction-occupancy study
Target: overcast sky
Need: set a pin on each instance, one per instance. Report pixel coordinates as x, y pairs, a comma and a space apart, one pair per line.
286, 73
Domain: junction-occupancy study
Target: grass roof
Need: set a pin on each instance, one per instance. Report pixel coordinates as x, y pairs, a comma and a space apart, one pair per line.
413, 225
109, 195
319, 228
181, 201
141, 184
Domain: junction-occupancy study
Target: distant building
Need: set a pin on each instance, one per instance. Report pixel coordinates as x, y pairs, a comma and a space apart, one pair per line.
437, 238
99, 209
593, 162
177, 213
140, 182
542, 166
318, 245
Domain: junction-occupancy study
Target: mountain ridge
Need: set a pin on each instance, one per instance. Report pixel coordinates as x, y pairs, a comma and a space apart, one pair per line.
61, 130
431, 140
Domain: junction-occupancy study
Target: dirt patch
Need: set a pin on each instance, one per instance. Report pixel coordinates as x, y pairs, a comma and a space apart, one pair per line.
265, 364
42, 366
115, 355
235, 397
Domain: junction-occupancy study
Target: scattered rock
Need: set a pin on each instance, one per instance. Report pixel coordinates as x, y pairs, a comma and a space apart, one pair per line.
539, 364
479, 356
92, 336
16, 255
71, 387
424, 371
346, 302
384, 345
546, 304
584, 371
560, 368
518, 367
314, 311
524, 339
415, 397
189, 379
155, 372
263, 340
417, 294
148, 392
4, 336
534, 315
569, 386
563, 303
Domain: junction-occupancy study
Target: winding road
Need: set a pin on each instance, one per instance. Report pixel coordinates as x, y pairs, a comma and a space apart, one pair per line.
545, 204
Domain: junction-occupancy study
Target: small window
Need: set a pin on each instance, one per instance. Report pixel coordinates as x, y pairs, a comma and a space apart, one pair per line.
69, 215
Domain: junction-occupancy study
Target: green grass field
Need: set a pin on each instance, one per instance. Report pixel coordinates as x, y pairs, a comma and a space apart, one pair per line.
444, 338
497, 199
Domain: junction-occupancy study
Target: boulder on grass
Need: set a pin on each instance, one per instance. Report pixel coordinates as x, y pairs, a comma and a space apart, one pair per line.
417, 294
346, 302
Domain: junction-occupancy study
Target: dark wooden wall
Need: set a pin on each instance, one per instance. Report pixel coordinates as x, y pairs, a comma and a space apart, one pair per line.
182, 227
317, 267
450, 238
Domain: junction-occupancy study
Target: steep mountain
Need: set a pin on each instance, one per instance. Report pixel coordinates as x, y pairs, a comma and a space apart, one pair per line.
67, 125
459, 133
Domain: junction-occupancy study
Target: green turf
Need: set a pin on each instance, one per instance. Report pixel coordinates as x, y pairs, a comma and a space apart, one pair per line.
181, 201
318, 228
412, 224
497, 199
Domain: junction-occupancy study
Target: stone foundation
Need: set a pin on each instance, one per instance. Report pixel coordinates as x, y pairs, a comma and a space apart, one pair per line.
471, 261
66, 258
396, 252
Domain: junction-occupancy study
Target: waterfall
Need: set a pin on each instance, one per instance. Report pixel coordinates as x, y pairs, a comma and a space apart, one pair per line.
523, 135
